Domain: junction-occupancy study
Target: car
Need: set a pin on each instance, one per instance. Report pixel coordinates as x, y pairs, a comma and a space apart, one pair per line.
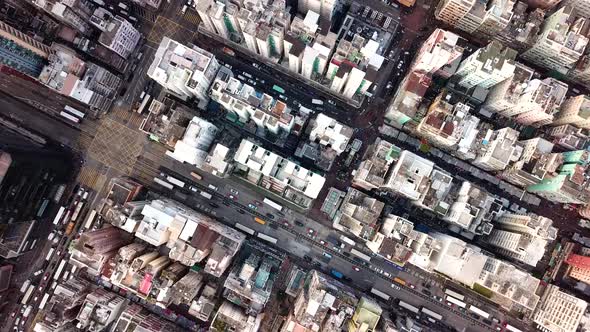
226, 203
40, 288
232, 197
240, 211
387, 274
394, 286
214, 205
252, 206
310, 231
307, 258
322, 242
498, 328
270, 215
356, 269
46, 276
13, 314
59, 253
36, 298
286, 223
411, 286
426, 292
258, 203
449, 304
299, 223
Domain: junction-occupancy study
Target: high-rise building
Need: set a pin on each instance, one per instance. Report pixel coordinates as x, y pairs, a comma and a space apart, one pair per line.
561, 41
534, 164
373, 169
498, 149
522, 237
272, 172
31, 171
538, 102
498, 14
183, 71
100, 309
21, 52
559, 311
194, 146
119, 36
505, 96
523, 26
487, 67
73, 13
325, 8
582, 6
544, 4
358, 214
452, 11
575, 111
579, 266
569, 137
93, 249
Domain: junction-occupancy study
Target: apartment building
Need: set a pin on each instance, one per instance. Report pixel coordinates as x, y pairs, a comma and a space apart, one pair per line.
486, 67
497, 149
559, 311
574, 111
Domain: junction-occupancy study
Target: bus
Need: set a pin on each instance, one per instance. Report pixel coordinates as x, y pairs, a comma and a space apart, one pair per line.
74, 112
400, 281
512, 328
59, 270
379, 293
25, 285
244, 229
360, 255
77, 211
144, 103
260, 221
454, 294
163, 183
90, 219
68, 116
278, 89
59, 214
43, 301
408, 307
456, 302
272, 204
175, 181
196, 175
431, 313
347, 240
28, 294
267, 238
478, 311
49, 254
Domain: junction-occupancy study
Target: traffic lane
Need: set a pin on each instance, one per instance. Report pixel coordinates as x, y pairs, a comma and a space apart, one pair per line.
367, 277
37, 121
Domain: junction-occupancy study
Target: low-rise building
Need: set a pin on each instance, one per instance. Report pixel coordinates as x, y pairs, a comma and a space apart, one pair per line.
250, 282
445, 124
328, 139
204, 306
559, 311
230, 317
322, 304
358, 214
100, 309
398, 242
246, 104
278, 175
377, 160
472, 209
183, 71
366, 316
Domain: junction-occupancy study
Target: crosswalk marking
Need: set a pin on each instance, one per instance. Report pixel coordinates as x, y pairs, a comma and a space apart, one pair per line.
191, 16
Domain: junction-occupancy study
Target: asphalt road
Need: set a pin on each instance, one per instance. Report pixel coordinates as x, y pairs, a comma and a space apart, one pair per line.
296, 241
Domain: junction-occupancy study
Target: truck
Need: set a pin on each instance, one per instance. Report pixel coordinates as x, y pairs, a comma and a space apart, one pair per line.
27, 311
206, 195
336, 274
70, 228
